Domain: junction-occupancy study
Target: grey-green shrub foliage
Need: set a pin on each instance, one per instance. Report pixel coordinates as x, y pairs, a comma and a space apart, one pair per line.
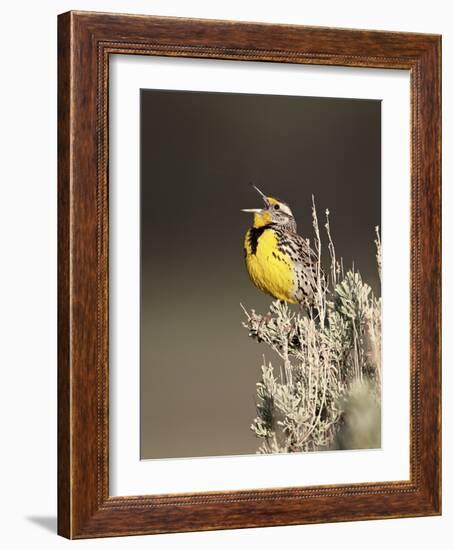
325, 391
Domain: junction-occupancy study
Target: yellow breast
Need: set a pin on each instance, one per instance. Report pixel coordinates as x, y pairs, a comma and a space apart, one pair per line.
270, 269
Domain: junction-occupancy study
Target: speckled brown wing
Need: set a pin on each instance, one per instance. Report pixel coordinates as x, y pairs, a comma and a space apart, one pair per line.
305, 262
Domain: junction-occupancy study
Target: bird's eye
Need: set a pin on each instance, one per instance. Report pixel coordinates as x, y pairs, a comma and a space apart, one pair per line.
276, 207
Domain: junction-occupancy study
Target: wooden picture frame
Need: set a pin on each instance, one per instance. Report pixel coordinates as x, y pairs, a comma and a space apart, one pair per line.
85, 42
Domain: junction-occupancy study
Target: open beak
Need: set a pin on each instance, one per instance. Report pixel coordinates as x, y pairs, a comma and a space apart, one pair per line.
257, 210
260, 193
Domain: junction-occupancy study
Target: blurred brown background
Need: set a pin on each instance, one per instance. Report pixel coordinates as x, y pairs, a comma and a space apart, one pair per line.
199, 153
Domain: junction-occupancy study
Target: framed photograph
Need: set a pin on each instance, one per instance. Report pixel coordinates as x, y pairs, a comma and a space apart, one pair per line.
249, 275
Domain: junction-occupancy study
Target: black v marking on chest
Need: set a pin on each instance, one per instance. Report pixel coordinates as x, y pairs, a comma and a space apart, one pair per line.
255, 233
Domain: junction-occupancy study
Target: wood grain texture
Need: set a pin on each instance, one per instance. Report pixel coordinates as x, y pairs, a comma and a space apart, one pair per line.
64, 425
86, 40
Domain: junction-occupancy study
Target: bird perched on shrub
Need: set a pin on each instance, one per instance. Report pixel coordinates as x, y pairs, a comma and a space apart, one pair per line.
279, 261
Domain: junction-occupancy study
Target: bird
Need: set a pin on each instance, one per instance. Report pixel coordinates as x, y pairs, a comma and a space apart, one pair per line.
279, 261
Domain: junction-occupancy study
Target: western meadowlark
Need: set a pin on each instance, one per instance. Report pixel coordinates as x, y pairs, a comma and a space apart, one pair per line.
279, 261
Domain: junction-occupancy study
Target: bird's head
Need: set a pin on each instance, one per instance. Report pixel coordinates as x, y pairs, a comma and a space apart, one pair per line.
275, 211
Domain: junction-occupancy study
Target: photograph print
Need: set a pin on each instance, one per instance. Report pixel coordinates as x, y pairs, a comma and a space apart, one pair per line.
260, 313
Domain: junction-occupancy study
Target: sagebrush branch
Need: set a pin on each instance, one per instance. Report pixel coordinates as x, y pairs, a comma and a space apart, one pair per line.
330, 363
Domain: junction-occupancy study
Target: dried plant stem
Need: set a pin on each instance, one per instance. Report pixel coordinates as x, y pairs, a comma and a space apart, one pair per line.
320, 286
334, 268
378, 250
